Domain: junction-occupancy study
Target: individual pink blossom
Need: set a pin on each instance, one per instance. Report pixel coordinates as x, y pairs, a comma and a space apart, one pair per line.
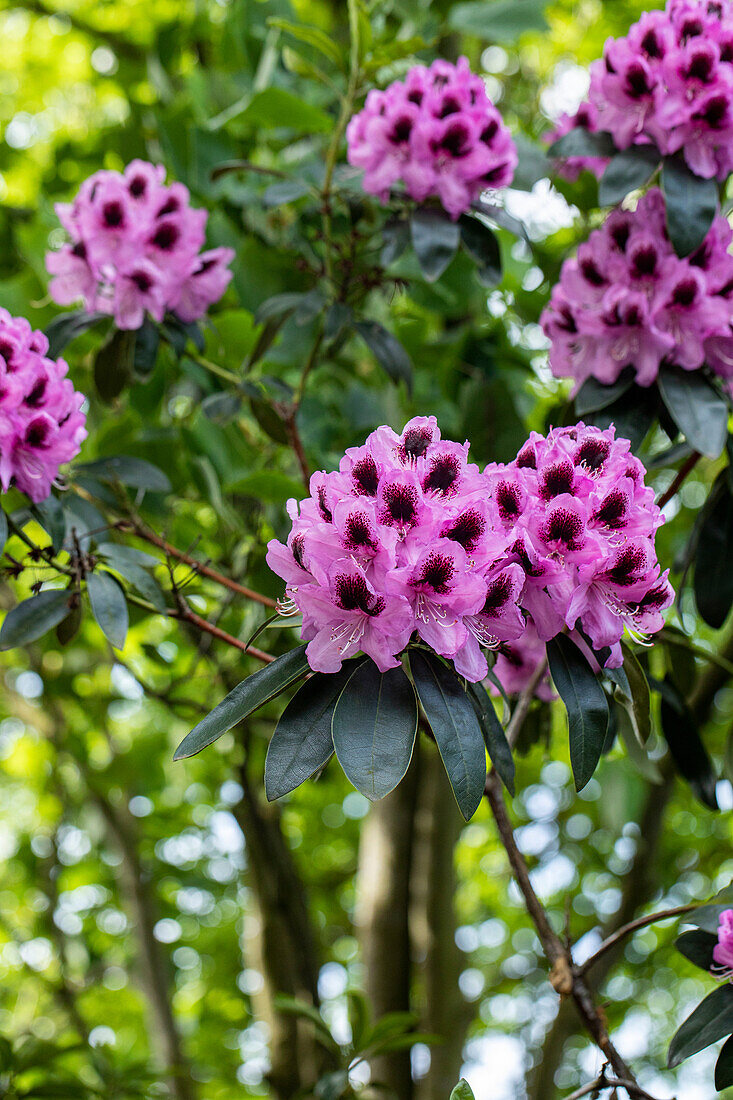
41, 422
436, 132
136, 249
723, 950
627, 300
409, 540
669, 81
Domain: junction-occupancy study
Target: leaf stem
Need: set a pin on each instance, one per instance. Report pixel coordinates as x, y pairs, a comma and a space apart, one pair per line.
633, 926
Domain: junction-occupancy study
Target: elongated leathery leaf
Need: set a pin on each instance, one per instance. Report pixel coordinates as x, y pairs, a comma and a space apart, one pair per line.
586, 705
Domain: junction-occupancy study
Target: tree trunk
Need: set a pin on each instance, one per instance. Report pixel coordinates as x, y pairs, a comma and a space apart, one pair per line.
433, 924
382, 917
284, 945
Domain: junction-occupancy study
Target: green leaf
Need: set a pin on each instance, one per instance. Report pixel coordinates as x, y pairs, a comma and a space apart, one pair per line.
221, 407
50, 514
636, 752
147, 342
698, 947
481, 243
710, 1021
136, 473
498, 20
580, 142
109, 607
633, 413
387, 350
68, 628
3, 530
593, 395
435, 239
696, 407
456, 728
302, 742
271, 486
724, 1066
713, 573
685, 745
640, 709
313, 36
277, 194
395, 239
627, 172
274, 107
499, 748
139, 578
113, 364
374, 728
245, 698
586, 704
691, 205
462, 1091
67, 326
32, 618
533, 165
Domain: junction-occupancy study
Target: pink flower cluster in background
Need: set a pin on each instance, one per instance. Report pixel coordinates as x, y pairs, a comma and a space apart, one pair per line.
41, 422
723, 950
136, 249
670, 82
585, 118
408, 537
437, 132
627, 300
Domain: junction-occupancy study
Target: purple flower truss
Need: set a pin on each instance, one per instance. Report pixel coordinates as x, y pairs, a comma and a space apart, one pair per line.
409, 538
41, 422
723, 950
135, 249
627, 300
438, 133
670, 82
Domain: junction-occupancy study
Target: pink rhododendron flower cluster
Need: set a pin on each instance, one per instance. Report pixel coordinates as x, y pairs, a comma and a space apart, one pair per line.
627, 300
136, 249
723, 950
438, 132
670, 82
586, 118
409, 538
41, 422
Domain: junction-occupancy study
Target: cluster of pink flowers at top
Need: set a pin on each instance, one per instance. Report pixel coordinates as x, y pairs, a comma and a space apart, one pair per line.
438, 132
627, 300
136, 249
409, 538
41, 422
670, 82
723, 950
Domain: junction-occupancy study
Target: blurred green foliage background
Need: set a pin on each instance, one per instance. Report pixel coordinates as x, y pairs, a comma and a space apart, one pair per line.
139, 897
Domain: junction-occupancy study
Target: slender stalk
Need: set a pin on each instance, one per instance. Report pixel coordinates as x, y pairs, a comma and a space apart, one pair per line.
185, 614
633, 926
687, 467
601, 1083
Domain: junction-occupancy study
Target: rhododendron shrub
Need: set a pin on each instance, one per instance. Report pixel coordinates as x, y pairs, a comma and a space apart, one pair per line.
135, 249
42, 425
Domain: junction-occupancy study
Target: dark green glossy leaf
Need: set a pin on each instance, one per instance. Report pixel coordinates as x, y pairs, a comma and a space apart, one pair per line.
633, 413
724, 1066
109, 607
244, 699
455, 726
66, 327
593, 395
221, 407
639, 695
113, 365
32, 618
482, 244
498, 20
691, 205
698, 947
580, 142
586, 704
500, 751
147, 342
302, 742
711, 1020
395, 238
435, 240
3, 530
698, 410
713, 573
374, 728
627, 172
387, 350
685, 745
269, 420
137, 473
68, 628
50, 514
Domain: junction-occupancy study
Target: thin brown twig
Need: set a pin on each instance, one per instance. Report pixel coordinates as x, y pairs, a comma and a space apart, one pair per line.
186, 614
199, 567
521, 708
633, 926
602, 1082
687, 467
